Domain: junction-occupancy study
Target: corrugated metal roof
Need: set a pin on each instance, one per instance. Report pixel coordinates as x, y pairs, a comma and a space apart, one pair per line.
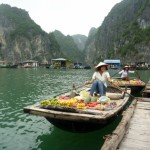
30, 61
112, 61
60, 59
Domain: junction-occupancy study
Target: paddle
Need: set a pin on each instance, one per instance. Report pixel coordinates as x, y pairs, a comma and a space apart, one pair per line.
73, 93
115, 74
137, 74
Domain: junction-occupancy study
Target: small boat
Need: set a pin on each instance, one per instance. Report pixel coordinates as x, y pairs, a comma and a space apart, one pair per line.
142, 66
76, 115
135, 84
9, 66
87, 67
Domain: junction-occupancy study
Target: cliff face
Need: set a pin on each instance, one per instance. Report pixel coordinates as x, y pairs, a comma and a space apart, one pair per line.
69, 47
90, 49
124, 34
80, 41
22, 39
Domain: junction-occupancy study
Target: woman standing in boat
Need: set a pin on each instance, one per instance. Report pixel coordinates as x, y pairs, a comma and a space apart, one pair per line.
124, 73
99, 79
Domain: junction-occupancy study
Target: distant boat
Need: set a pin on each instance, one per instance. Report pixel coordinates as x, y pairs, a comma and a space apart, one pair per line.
87, 67
142, 66
135, 84
8, 65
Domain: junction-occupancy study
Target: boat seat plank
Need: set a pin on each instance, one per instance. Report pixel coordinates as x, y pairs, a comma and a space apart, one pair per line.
143, 99
142, 105
136, 126
138, 115
131, 144
146, 91
138, 137
147, 87
140, 102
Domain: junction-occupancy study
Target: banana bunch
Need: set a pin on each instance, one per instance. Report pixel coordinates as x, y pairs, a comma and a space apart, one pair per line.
67, 103
81, 106
45, 103
53, 102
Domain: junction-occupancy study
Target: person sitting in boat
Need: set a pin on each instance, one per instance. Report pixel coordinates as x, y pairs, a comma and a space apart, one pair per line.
124, 73
99, 79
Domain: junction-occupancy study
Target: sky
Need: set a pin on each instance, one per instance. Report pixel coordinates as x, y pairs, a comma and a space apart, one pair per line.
68, 16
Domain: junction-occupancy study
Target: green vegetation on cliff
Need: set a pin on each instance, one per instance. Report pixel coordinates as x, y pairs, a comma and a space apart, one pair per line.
125, 32
68, 47
21, 39
20, 21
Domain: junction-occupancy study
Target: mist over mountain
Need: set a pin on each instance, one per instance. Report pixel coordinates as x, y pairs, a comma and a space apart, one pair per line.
80, 41
69, 47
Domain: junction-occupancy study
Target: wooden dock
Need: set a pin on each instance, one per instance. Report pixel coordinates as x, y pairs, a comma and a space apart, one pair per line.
133, 132
146, 91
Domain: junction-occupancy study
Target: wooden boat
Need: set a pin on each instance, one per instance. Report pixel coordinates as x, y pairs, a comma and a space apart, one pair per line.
87, 67
142, 68
75, 119
8, 65
135, 84
146, 90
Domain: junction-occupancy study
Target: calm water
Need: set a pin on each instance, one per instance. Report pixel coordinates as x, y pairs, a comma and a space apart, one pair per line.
23, 87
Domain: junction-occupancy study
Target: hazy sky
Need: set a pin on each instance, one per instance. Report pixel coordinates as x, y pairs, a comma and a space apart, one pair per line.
68, 16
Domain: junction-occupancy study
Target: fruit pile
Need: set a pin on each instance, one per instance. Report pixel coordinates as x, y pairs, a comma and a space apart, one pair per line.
106, 106
123, 82
138, 82
63, 101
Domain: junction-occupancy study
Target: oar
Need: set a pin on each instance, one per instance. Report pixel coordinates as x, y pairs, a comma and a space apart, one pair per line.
115, 74
73, 91
137, 74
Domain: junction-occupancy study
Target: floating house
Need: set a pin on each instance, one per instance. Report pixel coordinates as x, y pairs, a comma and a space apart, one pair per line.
60, 63
78, 66
114, 63
141, 65
30, 64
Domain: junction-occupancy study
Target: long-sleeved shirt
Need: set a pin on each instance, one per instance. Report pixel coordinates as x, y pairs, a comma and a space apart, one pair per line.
124, 73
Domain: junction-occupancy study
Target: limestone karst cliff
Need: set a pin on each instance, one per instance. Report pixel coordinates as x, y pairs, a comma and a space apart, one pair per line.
124, 34
22, 39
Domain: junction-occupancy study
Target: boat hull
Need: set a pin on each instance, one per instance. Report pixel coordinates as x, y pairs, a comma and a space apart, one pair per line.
134, 89
79, 126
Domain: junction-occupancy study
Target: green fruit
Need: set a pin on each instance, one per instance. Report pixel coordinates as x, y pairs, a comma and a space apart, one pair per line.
88, 99
94, 99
